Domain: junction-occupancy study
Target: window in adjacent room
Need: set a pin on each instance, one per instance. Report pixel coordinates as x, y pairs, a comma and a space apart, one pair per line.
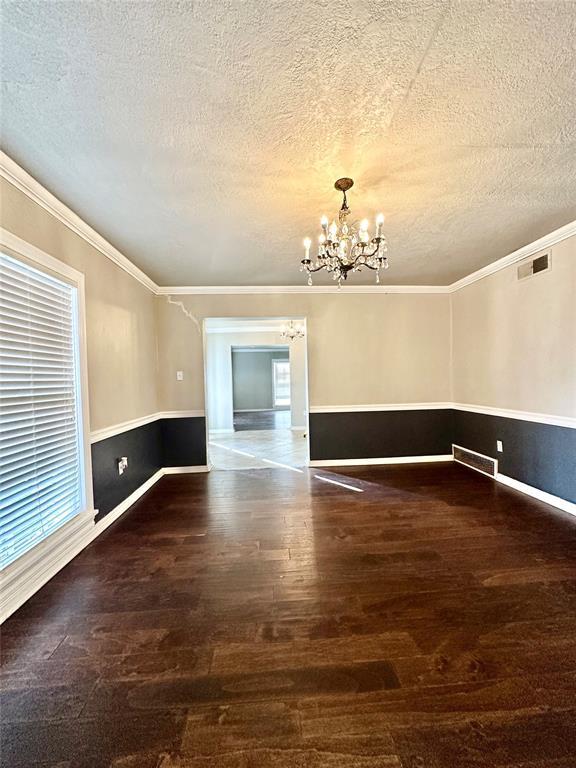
281, 382
42, 451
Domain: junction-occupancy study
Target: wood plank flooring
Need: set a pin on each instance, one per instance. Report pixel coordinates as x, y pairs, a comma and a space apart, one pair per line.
269, 619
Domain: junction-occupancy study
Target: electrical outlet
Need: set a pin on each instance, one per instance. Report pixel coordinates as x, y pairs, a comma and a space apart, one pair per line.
122, 464
179, 375
499, 447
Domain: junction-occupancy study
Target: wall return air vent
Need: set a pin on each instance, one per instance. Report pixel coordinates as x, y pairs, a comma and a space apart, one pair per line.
474, 460
534, 266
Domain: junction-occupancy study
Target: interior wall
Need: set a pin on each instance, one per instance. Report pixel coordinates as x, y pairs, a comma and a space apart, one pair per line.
121, 351
120, 314
252, 378
362, 349
515, 340
514, 348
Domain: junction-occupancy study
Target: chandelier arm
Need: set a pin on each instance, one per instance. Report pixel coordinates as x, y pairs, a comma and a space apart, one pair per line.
363, 264
374, 252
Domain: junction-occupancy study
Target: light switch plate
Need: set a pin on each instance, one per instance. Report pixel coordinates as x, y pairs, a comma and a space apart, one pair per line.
179, 375
499, 447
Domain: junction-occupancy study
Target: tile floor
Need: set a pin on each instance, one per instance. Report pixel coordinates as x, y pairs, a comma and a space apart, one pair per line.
258, 449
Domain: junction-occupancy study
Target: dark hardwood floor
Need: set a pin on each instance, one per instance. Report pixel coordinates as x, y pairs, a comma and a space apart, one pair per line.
250, 420
267, 619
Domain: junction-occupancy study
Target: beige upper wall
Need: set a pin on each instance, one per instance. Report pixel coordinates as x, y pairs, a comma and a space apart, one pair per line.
514, 343
120, 314
515, 340
362, 349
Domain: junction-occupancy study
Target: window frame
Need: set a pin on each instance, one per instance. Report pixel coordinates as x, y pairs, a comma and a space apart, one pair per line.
29, 255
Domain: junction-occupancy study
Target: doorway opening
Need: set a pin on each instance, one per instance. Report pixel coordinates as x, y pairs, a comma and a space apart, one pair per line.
256, 394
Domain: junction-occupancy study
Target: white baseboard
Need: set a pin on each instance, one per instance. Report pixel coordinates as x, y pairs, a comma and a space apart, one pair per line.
220, 432
21, 579
186, 470
536, 493
115, 513
387, 460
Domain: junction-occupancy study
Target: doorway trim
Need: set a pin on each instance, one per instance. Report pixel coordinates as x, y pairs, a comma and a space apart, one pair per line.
231, 324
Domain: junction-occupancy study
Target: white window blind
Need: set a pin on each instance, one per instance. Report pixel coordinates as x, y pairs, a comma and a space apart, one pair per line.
41, 484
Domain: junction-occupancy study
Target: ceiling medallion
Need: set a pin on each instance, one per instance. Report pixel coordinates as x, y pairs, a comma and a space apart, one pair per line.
344, 247
291, 331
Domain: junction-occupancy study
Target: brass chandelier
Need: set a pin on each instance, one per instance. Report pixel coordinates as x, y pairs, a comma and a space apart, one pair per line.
343, 247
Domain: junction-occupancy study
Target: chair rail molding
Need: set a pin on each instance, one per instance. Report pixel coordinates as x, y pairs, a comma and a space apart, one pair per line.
116, 429
541, 418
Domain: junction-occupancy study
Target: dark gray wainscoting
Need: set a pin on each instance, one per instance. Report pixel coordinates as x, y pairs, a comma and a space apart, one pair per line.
540, 455
184, 442
178, 442
380, 434
142, 446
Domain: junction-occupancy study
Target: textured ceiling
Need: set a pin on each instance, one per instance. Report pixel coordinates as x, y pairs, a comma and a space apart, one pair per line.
203, 138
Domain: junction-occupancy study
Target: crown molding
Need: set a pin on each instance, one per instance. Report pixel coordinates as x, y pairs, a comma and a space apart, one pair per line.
547, 241
552, 238
192, 290
23, 181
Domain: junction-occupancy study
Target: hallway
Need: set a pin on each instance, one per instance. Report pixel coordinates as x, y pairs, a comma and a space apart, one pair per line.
258, 449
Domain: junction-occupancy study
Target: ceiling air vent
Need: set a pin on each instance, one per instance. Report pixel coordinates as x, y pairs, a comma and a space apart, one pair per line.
474, 460
534, 266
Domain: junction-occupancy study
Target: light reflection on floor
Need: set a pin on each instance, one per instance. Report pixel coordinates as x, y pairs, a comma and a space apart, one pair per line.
259, 449
267, 449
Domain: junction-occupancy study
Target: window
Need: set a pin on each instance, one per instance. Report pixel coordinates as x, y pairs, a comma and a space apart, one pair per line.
281, 382
42, 453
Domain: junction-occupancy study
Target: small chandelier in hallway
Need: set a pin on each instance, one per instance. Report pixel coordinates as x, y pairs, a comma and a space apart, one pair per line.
291, 331
344, 247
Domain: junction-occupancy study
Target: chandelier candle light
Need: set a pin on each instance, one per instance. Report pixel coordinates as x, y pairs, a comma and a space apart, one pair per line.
344, 247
